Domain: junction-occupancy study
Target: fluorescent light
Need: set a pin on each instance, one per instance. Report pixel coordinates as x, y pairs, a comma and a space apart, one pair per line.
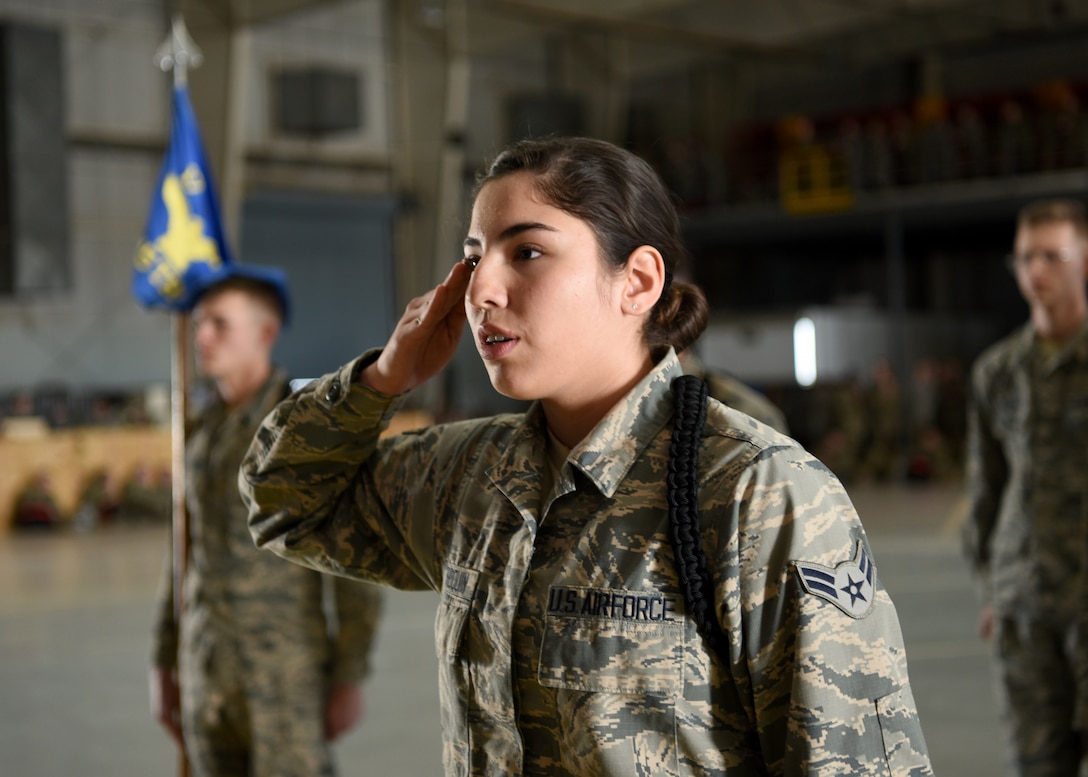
804, 352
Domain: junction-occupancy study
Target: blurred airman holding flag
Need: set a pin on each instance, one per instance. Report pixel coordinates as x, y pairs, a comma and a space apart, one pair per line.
256, 665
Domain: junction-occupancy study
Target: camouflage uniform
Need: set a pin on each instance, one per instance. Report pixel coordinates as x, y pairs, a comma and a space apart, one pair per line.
1025, 536
256, 658
734, 393
561, 636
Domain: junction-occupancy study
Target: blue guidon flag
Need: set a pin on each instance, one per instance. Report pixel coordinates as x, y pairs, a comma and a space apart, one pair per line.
183, 249
850, 586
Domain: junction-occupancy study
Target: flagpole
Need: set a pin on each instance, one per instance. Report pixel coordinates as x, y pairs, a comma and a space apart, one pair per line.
179, 403
176, 53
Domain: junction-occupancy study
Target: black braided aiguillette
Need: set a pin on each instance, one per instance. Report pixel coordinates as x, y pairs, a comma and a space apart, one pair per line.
689, 396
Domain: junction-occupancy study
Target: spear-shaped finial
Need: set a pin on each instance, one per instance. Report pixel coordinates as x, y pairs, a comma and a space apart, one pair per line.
178, 52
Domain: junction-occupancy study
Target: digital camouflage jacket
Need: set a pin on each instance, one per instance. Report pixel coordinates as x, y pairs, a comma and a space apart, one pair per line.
1027, 444
561, 632
276, 615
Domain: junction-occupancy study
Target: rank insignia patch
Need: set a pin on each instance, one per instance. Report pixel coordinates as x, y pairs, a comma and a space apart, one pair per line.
850, 586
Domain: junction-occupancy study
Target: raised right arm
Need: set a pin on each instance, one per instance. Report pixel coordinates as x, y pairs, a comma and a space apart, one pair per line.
318, 490
311, 496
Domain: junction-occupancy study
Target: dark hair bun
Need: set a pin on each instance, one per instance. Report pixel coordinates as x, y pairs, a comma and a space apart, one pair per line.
679, 320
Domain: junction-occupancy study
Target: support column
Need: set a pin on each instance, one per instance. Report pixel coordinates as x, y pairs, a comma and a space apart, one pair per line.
593, 65
239, 83
419, 89
450, 207
430, 87
718, 109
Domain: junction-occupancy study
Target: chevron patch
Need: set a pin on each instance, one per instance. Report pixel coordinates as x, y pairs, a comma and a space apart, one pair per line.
850, 586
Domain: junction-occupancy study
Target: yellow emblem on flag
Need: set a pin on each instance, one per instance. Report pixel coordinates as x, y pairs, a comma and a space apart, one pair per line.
185, 240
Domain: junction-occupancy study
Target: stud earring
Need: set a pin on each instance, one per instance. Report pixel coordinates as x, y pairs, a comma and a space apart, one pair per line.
634, 306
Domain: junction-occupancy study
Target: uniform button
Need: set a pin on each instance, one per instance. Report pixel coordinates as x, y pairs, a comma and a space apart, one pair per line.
333, 393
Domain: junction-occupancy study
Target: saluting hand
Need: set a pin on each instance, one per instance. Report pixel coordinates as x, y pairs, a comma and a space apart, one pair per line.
425, 339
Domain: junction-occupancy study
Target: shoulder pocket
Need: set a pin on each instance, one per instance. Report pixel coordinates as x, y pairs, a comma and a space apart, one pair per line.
904, 745
1076, 413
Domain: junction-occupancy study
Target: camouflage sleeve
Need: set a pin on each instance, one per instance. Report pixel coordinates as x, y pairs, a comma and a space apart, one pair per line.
986, 474
164, 635
311, 496
358, 609
817, 642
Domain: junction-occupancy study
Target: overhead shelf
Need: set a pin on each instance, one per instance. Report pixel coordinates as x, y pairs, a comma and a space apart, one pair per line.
937, 205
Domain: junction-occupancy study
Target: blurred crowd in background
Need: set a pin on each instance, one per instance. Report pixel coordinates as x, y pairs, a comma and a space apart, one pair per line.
143, 497
874, 427
140, 494
880, 428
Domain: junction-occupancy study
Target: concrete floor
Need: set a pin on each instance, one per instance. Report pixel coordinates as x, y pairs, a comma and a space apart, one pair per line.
75, 611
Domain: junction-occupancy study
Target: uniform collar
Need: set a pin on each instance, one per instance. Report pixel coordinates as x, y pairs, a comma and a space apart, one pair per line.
269, 395
1075, 350
1078, 346
607, 454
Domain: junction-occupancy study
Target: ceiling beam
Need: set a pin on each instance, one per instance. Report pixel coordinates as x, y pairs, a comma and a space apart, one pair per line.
657, 31
242, 13
256, 11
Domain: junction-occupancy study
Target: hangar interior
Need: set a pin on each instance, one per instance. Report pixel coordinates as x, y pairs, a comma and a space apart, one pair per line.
851, 163
841, 157
825, 152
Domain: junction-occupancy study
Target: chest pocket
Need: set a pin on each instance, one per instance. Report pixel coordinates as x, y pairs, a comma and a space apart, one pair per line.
1075, 424
1010, 414
628, 642
458, 591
